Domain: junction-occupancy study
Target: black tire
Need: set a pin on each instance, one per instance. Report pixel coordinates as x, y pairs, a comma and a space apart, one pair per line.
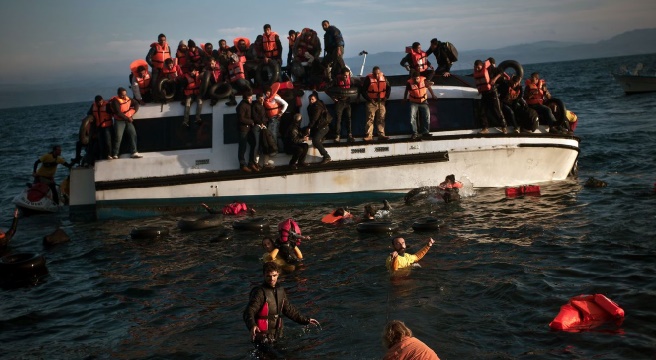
149, 232
519, 70
223, 236
205, 84
426, 224
297, 71
22, 266
272, 67
417, 194
338, 92
561, 111
252, 224
203, 222
166, 89
377, 227
220, 91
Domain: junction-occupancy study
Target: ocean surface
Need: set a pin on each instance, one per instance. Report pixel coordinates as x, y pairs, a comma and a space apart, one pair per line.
497, 275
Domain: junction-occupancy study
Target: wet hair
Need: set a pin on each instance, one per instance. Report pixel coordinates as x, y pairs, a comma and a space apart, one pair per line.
270, 267
298, 117
266, 26
291, 32
120, 90
267, 237
98, 98
415, 44
394, 332
414, 73
394, 238
369, 211
191, 43
339, 212
451, 178
478, 62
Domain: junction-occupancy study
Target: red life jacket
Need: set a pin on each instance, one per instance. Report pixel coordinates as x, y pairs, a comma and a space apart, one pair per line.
377, 87
272, 107
513, 93
263, 317
236, 71
216, 73
144, 83
482, 78
100, 114
194, 57
126, 106
419, 60
269, 45
344, 81
287, 226
171, 73
181, 58
417, 91
234, 208
161, 54
193, 84
534, 93
239, 52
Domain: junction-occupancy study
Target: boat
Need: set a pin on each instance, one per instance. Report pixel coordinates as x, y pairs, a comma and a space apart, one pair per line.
183, 166
638, 80
36, 199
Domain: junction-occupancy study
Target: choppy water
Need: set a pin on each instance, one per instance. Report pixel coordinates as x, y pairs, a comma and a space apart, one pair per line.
499, 272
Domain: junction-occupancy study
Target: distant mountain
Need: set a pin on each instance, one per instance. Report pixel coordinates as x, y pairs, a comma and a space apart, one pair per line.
84, 87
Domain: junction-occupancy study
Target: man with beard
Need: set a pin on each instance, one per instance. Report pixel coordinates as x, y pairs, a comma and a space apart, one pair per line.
398, 259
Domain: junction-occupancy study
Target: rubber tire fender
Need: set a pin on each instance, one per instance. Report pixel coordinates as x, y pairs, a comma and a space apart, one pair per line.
149, 232
376, 227
204, 222
337, 91
22, 265
519, 70
426, 224
561, 111
252, 224
162, 89
220, 91
273, 67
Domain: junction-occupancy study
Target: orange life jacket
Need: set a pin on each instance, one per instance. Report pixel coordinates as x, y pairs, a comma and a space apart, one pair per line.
126, 106
377, 87
269, 45
193, 84
272, 107
236, 71
482, 78
534, 93
344, 81
171, 73
417, 91
241, 54
181, 58
161, 54
513, 93
144, 83
100, 114
419, 60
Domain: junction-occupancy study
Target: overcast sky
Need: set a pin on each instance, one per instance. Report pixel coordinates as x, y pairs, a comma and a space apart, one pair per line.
65, 38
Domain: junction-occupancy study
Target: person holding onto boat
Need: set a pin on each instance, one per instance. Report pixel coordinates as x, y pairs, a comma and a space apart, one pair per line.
399, 259
266, 306
417, 88
510, 95
320, 118
417, 60
158, 53
246, 137
485, 83
535, 93
343, 105
192, 94
123, 108
376, 90
333, 43
46, 171
234, 208
295, 143
402, 345
450, 189
272, 251
5, 237
104, 126
140, 83
445, 55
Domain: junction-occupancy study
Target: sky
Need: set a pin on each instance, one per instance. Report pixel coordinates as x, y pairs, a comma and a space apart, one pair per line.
65, 40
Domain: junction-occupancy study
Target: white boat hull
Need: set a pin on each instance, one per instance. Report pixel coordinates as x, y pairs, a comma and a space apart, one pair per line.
45, 204
633, 84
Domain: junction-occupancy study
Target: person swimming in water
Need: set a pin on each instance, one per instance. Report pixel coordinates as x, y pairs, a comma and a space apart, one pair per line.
272, 251
289, 239
337, 216
450, 189
5, 237
371, 213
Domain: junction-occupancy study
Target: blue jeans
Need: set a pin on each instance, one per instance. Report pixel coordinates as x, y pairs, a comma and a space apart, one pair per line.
120, 128
424, 112
274, 126
246, 139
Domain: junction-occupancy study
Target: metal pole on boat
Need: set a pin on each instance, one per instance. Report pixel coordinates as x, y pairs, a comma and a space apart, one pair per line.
363, 52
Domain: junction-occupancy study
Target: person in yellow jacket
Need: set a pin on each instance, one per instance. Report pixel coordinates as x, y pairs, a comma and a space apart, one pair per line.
399, 259
271, 254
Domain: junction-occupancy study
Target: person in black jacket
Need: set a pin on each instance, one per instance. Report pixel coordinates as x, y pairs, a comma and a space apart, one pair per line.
320, 118
246, 137
295, 143
440, 50
267, 303
333, 43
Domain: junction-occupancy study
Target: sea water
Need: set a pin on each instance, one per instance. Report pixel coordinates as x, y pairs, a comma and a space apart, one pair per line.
497, 275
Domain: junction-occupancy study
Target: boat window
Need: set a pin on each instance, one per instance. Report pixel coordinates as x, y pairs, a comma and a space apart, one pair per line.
166, 134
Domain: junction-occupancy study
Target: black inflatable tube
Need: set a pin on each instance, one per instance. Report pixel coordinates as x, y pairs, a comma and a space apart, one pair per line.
149, 232
426, 224
220, 91
376, 227
252, 224
22, 266
223, 236
204, 84
337, 91
203, 222
519, 70
273, 67
162, 89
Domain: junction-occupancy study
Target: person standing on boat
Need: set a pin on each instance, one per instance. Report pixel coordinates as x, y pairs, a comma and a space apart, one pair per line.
291, 39
104, 125
266, 306
485, 83
123, 108
444, 56
333, 43
157, 54
275, 107
46, 172
246, 137
319, 120
399, 259
535, 93
376, 90
343, 105
192, 94
270, 47
295, 143
417, 60
402, 345
416, 87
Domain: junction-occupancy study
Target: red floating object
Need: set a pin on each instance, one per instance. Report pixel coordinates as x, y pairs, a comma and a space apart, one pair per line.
523, 190
585, 312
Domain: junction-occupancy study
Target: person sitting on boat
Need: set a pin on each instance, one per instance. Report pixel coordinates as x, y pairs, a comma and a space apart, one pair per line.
302, 67
510, 95
567, 126
5, 237
320, 118
272, 252
173, 72
376, 90
222, 53
123, 108
181, 56
194, 57
371, 213
535, 93
445, 55
485, 83
157, 54
333, 43
336, 216
46, 172
104, 126
192, 94
399, 259
402, 345
343, 105
450, 189
234, 208
246, 137
289, 237
140, 83
417, 60
416, 87
295, 143
237, 78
